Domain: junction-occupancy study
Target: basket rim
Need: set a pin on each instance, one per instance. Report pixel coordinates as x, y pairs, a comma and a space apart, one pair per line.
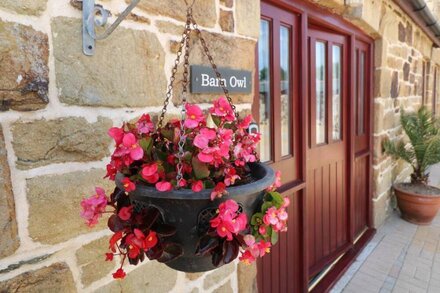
144, 190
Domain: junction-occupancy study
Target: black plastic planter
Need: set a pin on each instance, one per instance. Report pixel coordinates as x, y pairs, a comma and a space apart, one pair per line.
190, 212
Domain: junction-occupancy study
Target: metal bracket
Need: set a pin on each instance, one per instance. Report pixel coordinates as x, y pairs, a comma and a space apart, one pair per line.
90, 13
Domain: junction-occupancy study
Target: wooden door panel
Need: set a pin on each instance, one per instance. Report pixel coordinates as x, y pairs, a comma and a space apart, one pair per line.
361, 195
327, 214
327, 197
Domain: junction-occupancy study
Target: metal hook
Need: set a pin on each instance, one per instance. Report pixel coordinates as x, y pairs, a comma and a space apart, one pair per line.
90, 11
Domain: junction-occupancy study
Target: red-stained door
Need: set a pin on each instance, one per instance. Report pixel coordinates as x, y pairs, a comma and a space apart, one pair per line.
327, 192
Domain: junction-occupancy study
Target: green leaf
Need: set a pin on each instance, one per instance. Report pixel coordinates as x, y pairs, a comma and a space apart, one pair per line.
168, 134
274, 238
277, 199
161, 155
208, 184
257, 219
216, 120
146, 144
266, 206
201, 170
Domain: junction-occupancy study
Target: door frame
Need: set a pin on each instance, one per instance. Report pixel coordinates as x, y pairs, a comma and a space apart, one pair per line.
311, 15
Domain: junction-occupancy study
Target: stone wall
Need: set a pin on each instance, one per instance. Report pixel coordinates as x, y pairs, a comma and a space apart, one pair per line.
401, 49
56, 105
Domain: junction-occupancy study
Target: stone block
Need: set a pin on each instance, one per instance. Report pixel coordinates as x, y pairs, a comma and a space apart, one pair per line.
225, 288
150, 277
54, 278
381, 209
29, 7
54, 204
395, 85
227, 3
70, 139
383, 181
126, 70
226, 21
169, 28
24, 54
247, 14
218, 275
247, 278
91, 260
9, 241
382, 82
204, 12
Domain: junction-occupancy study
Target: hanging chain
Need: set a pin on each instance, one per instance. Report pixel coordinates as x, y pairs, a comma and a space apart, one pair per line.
214, 68
184, 43
182, 136
172, 78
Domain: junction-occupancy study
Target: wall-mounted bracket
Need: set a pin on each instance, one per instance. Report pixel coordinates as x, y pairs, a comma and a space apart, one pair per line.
95, 15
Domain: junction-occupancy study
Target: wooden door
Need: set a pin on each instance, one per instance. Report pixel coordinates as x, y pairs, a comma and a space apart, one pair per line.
327, 153
277, 108
362, 156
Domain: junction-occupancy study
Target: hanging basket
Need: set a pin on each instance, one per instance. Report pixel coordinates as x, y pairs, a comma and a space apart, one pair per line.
191, 212
189, 194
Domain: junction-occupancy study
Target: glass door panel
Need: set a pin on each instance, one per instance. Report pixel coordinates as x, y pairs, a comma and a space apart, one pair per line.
265, 92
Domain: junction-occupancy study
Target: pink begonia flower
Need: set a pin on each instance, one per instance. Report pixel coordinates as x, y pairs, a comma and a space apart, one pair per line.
219, 191
197, 186
227, 223
230, 176
125, 213
117, 134
277, 179
244, 124
222, 108
149, 170
271, 217
128, 184
224, 230
249, 239
277, 182
144, 125
194, 115
182, 182
130, 142
264, 247
240, 222
93, 207
247, 257
149, 173
206, 156
262, 230
202, 139
163, 186
229, 206
282, 214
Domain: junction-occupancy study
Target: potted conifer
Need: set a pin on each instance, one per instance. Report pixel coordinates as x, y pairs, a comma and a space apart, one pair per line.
417, 201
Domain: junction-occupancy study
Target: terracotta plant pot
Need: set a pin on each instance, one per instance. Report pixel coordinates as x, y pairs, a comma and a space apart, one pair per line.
190, 212
417, 208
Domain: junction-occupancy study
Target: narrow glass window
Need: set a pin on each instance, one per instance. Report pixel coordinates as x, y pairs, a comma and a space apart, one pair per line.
320, 92
265, 94
361, 116
336, 99
286, 131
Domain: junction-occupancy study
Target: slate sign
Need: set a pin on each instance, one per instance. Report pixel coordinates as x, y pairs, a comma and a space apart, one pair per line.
204, 80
